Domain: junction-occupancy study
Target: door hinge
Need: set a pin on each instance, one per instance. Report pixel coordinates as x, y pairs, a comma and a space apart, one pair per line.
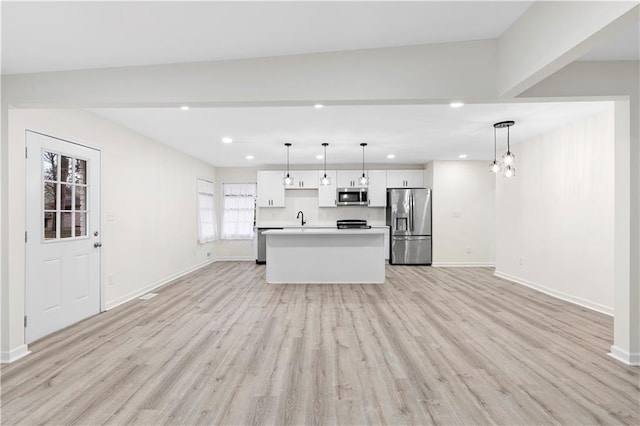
25, 152
25, 236
25, 321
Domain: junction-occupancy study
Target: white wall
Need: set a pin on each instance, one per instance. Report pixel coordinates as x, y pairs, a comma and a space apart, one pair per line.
463, 213
556, 218
149, 188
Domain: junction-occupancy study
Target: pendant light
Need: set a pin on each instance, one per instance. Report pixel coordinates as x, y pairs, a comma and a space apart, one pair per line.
495, 166
325, 180
508, 158
287, 180
363, 180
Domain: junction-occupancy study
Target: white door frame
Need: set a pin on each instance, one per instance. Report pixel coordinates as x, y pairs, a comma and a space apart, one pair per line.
84, 144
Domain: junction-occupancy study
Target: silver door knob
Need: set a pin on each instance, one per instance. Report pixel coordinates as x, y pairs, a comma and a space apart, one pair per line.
96, 245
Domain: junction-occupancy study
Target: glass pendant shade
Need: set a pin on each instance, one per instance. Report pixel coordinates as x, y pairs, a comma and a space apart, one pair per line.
495, 167
508, 158
509, 171
288, 179
325, 180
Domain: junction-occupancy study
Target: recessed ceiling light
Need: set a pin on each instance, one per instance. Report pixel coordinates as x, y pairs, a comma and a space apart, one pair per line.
318, 106
391, 156
227, 140
250, 157
456, 104
462, 156
184, 107
319, 157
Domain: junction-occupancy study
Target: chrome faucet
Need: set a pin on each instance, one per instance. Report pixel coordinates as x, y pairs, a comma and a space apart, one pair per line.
298, 217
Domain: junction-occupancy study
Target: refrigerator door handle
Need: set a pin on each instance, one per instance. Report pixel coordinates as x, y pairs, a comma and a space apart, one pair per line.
412, 207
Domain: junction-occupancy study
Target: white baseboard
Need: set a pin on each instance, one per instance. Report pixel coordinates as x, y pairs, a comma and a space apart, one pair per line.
607, 310
235, 259
463, 264
135, 294
14, 354
624, 356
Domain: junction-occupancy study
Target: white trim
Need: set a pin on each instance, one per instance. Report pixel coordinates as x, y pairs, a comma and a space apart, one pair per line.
594, 306
624, 356
14, 354
463, 264
234, 259
137, 293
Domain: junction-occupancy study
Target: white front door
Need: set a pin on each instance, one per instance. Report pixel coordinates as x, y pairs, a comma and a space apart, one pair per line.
63, 234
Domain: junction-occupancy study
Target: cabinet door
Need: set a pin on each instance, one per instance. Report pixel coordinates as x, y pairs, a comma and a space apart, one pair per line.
327, 194
304, 179
405, 178
348, 178
377, 191
270, 189
415, 178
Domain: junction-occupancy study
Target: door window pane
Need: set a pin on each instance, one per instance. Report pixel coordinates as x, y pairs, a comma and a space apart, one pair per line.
81, 197
81, 224
65, 225
66, 201
49, 225
50, 165
50, 191
81, 171
66, 169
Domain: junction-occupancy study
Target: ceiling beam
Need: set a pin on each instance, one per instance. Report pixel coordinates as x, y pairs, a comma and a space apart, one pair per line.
551, 35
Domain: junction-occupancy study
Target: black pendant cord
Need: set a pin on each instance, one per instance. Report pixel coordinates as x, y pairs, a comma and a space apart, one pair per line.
325, 159
363, 145
508, 142
495, 143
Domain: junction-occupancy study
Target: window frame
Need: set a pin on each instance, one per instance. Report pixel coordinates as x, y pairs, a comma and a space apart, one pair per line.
226, 235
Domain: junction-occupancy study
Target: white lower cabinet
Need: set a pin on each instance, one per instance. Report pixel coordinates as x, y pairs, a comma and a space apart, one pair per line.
327, 194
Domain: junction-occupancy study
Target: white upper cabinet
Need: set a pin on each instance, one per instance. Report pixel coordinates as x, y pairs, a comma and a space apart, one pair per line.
405, 178
327, 194
349, 178
304, 179
270, 189
377, 190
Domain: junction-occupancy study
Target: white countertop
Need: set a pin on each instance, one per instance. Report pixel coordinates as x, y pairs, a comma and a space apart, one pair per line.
323, 231
307, 226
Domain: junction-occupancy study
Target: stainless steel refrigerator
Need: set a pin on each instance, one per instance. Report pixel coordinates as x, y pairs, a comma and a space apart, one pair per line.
409, 219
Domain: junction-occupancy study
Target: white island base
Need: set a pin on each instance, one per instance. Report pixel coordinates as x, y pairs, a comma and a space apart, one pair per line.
325, 256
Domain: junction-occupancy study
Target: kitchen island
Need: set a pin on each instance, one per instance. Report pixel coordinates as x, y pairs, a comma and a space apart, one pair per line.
325, 256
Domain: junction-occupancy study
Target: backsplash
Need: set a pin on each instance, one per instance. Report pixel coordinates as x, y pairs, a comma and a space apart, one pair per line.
307, 201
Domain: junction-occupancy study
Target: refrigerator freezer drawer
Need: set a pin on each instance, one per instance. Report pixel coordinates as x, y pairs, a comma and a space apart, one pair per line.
410, 250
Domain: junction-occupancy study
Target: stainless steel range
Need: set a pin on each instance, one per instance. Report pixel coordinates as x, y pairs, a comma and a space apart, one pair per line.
352, 224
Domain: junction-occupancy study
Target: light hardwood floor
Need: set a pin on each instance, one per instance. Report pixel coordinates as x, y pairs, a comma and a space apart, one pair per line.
220, 346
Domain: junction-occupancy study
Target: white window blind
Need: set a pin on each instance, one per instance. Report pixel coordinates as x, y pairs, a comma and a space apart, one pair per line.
206, 212
238, 211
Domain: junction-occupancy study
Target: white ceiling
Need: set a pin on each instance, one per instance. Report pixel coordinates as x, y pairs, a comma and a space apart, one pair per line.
49, 36
416, 134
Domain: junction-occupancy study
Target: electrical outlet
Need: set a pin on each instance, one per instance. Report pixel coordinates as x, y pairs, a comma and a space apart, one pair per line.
468, 250
109, 279
208, 254
521, 261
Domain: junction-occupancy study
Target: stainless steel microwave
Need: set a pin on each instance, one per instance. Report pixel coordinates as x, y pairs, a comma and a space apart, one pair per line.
352, 197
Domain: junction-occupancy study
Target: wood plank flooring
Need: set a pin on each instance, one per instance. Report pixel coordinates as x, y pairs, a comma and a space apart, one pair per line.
431, 346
